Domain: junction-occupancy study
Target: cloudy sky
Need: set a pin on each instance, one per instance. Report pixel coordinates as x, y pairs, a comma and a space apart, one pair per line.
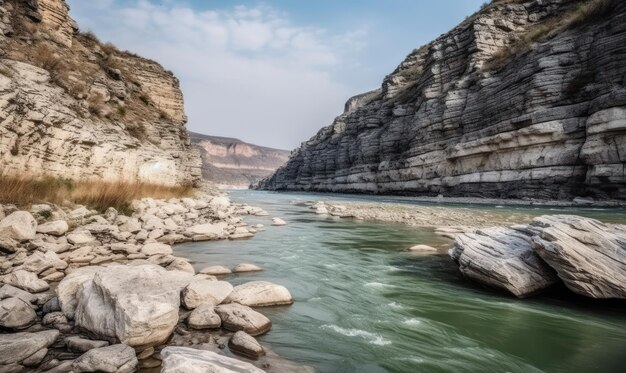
271, 72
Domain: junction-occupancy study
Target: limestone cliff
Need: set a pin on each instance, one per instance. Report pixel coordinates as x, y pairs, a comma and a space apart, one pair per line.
229, 162
73, 107
523, 99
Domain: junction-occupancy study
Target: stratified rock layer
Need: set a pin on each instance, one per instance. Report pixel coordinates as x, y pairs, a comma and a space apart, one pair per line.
550, 122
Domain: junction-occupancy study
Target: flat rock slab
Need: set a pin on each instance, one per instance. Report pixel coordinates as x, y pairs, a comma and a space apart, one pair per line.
236, 317
79, 344
216, 271
112, 359
502, 258
245, 345
205, 291
17, 347
589, 256
189, 360
260, 294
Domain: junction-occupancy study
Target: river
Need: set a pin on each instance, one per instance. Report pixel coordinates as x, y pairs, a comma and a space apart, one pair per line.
362, 304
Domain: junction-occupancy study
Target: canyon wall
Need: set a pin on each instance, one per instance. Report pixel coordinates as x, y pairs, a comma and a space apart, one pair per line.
232, 163
525, 99
73, 107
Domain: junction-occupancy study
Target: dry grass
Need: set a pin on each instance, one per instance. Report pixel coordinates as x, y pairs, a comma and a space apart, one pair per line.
137, 130
585, 12
97, 105
99, 195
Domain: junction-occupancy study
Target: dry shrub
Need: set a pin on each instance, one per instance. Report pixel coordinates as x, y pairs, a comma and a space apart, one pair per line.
89, 37
137, 130
99, 195
97, 105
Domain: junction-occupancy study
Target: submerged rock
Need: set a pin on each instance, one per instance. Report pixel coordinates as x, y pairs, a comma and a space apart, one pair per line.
589, 256
502, 258
189, 360
246, 267
260, 294
278, 222
246, 345
215, 271
422, 249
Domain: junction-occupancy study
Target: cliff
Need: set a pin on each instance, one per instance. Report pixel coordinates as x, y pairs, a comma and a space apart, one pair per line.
523, 99
229, 162
73, 107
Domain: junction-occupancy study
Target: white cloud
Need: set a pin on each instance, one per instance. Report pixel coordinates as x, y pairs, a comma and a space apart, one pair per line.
246, 72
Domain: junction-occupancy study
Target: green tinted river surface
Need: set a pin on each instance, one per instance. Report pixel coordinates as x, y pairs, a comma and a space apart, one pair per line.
364, 305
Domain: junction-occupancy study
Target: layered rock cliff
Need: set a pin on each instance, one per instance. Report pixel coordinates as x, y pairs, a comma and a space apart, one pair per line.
229, 162
73, 107
523, 99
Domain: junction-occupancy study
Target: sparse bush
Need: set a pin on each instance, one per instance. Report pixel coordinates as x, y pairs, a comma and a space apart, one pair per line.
89, 36
46, 214
15, 150
121, 110
97, 105
145, 99
163, 115
109, 48
137, 130
46, 59
95, 194
6, 72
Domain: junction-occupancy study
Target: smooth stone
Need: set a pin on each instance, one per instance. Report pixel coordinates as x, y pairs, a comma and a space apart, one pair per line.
216, 271
246, 267
112, 359
16, 347
55, 228
588, 255
205, 291
68, 289
180, 264
8, 291
80, 238
78, 344
278, 222
502, 258
245, 345
422, 249
36, 358
260, 294
16, 314
189, 360
156, 248
236, 317
204, 317
19, 226
27, 281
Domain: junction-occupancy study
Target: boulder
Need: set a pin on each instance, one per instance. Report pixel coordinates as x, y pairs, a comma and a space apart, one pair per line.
16, 314
589, 256
246, 267
8, 291
236, 317
68, 289
245, 345
55, 228
204, 317
180, 264
156, 248
17, 347
138, 305
189, 360
27, 281
19, 226
205, 291
260, 294
215, 271
111, 359
209, 231
278, 222
78, 344
8, 245
131, 225
502, 258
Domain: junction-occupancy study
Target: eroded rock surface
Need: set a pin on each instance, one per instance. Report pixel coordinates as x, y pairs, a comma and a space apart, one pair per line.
189, 360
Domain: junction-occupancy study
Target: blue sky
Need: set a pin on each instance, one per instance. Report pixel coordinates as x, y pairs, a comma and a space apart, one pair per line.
271, 72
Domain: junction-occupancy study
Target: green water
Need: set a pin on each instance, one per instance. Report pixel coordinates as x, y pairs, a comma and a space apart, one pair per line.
364, 305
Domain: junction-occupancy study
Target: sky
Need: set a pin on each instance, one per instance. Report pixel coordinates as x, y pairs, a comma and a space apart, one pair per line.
271, 72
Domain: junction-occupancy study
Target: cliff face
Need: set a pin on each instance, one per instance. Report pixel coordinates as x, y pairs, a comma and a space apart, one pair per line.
73, 107
230, 162
524, 99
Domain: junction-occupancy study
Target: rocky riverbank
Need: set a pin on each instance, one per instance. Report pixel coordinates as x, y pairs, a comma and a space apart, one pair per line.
83, 291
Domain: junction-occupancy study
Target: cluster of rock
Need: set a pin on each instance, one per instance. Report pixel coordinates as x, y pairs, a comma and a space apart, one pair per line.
91, 111
549, 123
84, 292
588, 256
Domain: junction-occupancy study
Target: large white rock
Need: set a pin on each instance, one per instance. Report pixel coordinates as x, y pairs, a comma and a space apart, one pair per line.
236, 317
189, 360
20, 226
112, 359
260, 294
55, 228
68, 289
27, 281
502, 258
588, 255
17, 347
205, 291
208, 231
138, 305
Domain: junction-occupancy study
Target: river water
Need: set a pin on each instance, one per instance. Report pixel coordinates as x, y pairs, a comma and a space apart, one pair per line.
364, 305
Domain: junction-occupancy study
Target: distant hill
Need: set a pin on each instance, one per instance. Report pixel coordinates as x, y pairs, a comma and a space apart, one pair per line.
230, 162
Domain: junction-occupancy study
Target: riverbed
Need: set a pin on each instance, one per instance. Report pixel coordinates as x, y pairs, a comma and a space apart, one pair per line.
363, 304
